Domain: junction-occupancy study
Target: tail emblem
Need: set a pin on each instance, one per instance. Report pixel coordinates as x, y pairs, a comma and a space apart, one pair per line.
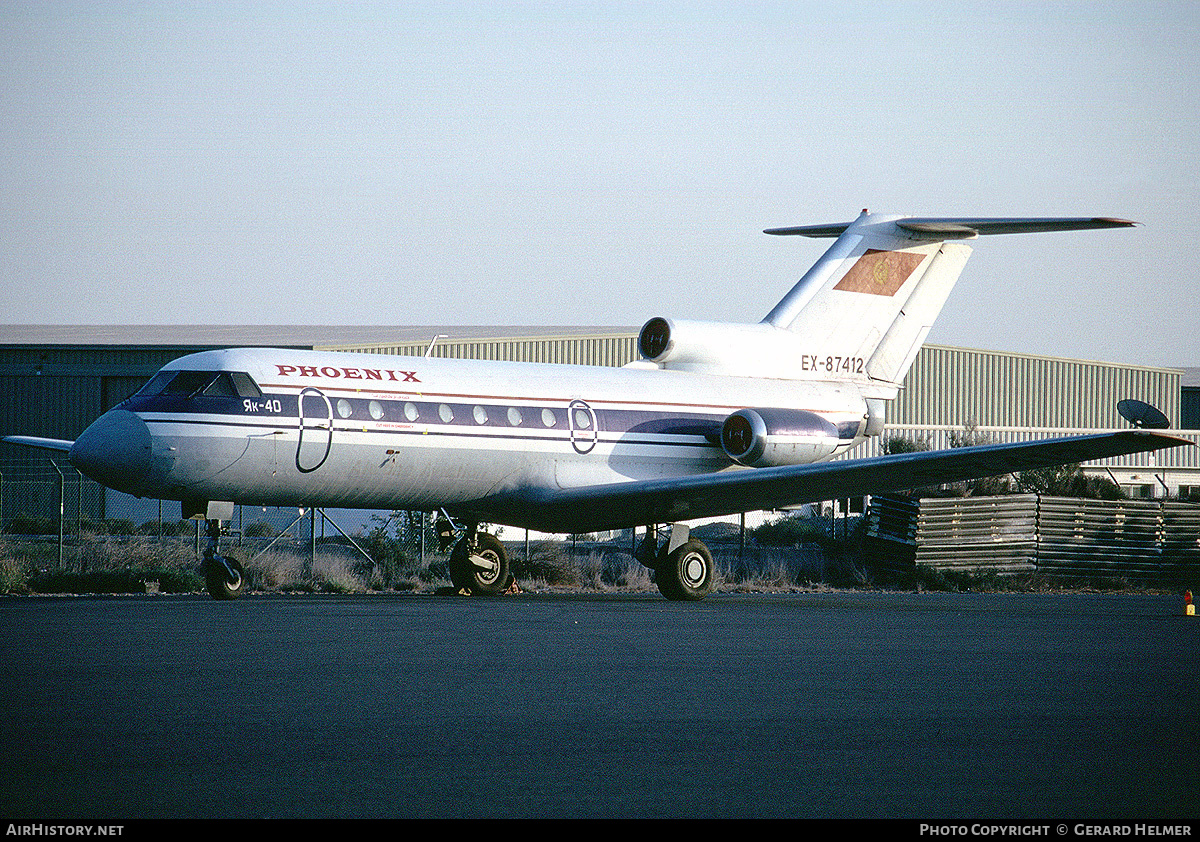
880, 272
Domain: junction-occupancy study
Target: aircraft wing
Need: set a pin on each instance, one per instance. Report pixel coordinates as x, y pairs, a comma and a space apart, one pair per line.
44, 444
641, 502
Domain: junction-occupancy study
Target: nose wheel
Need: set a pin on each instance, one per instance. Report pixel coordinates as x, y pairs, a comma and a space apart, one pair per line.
223, 576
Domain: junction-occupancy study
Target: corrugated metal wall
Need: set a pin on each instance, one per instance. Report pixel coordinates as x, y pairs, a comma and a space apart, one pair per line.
596, 349
1003, 396
940, 438
947, 387
57, 390
960, 386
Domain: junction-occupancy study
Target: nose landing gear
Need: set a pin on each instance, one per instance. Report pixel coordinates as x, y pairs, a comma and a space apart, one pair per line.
223, 575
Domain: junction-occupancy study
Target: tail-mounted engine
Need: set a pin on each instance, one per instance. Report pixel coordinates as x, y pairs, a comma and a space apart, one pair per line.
763, 438
757, 350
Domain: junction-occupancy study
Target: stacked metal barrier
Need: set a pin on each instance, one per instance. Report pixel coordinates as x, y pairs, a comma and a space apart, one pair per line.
1060, 536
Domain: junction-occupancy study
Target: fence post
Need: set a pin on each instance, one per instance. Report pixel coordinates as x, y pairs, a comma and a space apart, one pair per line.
61, 492
312, 535
312, 550
741, 536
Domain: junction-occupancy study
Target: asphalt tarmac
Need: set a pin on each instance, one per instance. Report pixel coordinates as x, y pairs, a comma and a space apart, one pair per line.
931, 707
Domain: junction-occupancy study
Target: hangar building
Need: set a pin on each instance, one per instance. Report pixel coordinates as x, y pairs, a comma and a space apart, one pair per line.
58, 379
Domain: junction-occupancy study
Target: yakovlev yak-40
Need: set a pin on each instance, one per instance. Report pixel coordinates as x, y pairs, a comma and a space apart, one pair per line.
713, 419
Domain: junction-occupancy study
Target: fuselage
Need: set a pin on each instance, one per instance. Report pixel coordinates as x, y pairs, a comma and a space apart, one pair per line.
310, 428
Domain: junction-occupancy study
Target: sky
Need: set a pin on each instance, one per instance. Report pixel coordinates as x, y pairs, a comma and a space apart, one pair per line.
593, 164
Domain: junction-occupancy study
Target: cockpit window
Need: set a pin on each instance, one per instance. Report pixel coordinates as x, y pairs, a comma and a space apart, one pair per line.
221, 387
212, 384
157, 382
189, 382
244, 385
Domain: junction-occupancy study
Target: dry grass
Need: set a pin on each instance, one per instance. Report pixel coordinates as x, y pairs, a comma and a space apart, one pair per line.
284, 571
108, 564
14, 575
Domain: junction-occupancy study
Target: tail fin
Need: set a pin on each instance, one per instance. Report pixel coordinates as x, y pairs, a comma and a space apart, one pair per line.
871, 299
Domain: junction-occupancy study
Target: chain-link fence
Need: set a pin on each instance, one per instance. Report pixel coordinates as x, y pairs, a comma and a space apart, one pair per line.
51, 513
56, 522
53, 520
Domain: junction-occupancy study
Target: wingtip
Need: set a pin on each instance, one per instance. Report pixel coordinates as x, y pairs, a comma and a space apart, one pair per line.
41, 443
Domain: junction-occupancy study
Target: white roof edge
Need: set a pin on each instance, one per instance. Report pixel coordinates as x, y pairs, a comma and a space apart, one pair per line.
359, 336
269, 335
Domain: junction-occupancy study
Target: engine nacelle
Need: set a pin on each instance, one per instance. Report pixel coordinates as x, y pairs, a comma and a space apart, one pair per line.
765, 438
758, 350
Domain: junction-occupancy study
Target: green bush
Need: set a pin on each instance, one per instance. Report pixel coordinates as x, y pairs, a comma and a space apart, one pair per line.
789, 531
548, 562
115, 581
32, 525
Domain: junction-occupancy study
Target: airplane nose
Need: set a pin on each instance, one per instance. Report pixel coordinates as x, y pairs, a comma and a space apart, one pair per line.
115, 451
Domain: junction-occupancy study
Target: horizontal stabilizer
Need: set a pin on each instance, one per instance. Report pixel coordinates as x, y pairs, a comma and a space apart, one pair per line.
644, 502
966, 228
44, 444
872, 298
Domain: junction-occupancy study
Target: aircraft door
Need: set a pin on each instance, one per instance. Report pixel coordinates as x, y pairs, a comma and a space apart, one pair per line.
581, 420
316, 430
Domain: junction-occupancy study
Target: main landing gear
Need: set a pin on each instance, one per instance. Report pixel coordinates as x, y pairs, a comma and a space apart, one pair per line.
478, 564
223, 575
683, 566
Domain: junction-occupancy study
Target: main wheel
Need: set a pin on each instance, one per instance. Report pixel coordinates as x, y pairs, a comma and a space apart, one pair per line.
687, 574
224, 582
483, 568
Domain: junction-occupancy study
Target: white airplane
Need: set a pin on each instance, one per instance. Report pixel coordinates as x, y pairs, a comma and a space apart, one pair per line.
714, 419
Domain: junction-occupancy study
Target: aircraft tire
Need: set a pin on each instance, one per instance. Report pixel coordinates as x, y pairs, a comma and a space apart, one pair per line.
463, 574
216, 577
687, 574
